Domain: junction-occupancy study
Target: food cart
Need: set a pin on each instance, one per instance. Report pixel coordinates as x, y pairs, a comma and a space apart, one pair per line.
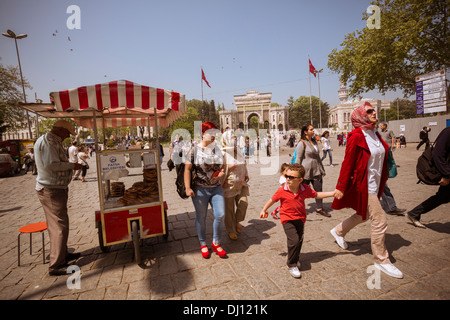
17, 149
132, 206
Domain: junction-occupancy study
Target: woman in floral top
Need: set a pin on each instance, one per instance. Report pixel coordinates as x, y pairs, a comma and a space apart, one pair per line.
206, 162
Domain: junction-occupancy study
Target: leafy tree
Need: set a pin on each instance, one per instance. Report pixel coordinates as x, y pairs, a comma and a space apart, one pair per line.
290, 102
46, 125
406, 110
213, 114
11, 94
300, 112
413, 39
186, 121
3, 125
253, 123
206, 110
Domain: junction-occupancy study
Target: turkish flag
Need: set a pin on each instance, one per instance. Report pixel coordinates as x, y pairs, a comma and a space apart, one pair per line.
312, 69
204, 78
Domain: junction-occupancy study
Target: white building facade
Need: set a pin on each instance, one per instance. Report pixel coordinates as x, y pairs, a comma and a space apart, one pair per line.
252, 104
339, 115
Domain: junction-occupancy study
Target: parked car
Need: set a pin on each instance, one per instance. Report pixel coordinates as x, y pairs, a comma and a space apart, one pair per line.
8, 165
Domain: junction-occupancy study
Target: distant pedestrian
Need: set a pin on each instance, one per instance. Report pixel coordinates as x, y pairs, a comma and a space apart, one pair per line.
326, 146
73, 158
441, 158
30, 162
402, 140
82, 157
54, 176
361, 182
291, 141
424, 138
292, 197
387, 135
268, 145
340, 138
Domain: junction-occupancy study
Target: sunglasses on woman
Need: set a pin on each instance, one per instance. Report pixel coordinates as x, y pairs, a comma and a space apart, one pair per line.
290, 177
370, 111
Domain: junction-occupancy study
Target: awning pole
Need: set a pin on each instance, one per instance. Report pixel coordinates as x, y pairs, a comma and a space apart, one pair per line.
148, 129
104, 132
158, 169
156, 132
95, 131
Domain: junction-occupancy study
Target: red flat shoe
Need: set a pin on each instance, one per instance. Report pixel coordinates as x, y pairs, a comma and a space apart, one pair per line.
205, 255
221, 253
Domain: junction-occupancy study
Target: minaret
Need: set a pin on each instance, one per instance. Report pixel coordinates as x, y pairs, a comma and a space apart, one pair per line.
343, 92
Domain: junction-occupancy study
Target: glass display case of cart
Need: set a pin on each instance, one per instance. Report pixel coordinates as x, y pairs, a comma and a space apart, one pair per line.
129, 178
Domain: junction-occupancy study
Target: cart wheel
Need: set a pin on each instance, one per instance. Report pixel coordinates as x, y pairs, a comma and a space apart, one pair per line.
166, 235
137, 249
100, 238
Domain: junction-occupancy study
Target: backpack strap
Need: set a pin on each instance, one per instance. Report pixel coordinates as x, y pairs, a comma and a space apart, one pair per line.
304, 149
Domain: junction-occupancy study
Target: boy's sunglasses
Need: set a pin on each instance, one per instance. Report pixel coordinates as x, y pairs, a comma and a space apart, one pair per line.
370, 111
291, 177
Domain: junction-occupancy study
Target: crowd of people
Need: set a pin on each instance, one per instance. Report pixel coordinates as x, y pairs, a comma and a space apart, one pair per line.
362, 186
216, 175
80, 154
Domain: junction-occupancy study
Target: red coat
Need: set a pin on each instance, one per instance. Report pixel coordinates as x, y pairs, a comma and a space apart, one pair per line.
353, 176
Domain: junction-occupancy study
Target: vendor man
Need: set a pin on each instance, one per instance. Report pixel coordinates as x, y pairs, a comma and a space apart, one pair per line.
54, 176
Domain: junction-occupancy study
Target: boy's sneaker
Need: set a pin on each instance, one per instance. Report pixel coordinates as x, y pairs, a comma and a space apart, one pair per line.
295, 272
389, 269
339, 240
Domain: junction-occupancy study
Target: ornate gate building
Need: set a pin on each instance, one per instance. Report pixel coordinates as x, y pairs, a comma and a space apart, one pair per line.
253, 109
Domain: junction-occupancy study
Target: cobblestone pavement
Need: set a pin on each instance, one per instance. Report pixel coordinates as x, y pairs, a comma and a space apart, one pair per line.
255, 268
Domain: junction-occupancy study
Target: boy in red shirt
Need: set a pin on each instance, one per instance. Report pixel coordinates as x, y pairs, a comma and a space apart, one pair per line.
292, 212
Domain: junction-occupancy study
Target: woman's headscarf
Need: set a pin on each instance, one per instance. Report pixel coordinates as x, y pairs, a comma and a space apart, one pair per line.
228, 140
360, 118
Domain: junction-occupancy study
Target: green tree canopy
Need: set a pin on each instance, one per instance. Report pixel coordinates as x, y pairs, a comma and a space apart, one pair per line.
300, 112
413, 39
206, 110
406, 110
11, 114
186, 121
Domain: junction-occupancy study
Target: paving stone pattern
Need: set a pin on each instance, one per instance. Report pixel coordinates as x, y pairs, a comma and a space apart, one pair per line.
256, 263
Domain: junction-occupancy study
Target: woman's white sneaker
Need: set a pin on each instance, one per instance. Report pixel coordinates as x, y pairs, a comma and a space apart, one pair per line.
295, 272
389, 269
339, 240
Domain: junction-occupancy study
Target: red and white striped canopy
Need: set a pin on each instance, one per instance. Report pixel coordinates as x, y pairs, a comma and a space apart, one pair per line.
117, 94
116, 104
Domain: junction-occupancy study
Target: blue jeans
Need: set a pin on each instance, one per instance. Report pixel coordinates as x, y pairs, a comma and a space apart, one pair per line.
203, 197
325, 155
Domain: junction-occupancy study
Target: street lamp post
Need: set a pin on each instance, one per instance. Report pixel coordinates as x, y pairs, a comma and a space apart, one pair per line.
12, 35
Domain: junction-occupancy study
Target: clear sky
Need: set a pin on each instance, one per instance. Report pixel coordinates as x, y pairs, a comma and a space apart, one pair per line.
242, 45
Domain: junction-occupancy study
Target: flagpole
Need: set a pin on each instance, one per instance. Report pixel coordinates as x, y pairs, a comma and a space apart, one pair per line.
202, 115
201, 80
310, 102
320, 109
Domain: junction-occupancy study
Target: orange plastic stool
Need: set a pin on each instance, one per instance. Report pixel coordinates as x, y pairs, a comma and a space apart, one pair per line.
32, 228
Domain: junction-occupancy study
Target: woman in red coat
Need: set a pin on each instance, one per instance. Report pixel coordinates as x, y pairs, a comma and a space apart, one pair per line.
361, 182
